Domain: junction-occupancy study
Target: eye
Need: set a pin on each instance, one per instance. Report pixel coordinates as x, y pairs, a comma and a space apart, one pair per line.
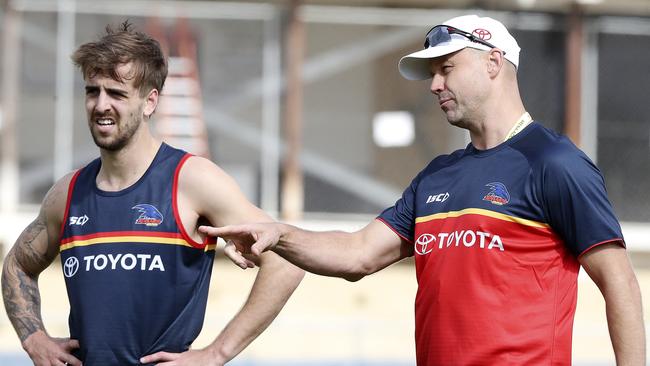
446, 69
91, 91
117, 94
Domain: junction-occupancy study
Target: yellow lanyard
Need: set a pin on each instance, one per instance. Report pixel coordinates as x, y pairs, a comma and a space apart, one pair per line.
523, 121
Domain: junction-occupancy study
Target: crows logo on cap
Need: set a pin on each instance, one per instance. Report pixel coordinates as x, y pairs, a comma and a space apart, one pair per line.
149, 215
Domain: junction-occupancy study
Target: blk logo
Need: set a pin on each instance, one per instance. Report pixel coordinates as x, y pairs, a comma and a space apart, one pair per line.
424, 244
483, 34
70, 267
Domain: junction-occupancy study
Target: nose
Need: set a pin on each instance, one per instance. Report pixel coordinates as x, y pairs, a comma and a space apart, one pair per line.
103, 102
437, 84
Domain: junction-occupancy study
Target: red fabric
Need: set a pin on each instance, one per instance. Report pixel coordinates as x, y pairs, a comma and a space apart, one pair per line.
518, 307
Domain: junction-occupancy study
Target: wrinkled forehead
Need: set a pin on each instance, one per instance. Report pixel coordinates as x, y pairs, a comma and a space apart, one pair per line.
103, 80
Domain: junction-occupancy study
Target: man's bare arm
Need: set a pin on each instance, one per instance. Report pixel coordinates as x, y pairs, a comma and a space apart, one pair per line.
341, 254
329, 253
208, 192
34, 251
609, 267
19, 281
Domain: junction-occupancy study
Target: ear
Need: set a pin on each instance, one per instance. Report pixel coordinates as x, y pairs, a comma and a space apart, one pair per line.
150, 103
495, 62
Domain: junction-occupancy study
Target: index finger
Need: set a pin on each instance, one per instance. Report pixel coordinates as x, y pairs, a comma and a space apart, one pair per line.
224, 230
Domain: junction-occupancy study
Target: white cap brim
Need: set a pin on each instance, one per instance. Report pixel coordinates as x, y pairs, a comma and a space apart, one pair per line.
417, 65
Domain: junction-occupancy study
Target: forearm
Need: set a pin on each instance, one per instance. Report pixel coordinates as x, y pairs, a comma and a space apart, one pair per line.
29, 256
328, 253
21, 298
275, 282
625, 322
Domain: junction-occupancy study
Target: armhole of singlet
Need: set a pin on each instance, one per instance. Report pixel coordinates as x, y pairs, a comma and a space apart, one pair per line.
177, 215
67, 203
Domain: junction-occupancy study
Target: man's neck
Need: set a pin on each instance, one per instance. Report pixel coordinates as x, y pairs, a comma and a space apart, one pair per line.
499, 113
121, 169
493, 129
492, 132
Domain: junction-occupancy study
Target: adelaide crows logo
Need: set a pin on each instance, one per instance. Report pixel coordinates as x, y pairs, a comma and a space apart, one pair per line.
498, 194
149, 215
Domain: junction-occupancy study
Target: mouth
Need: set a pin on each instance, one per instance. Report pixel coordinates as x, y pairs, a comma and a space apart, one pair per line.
444, 102
105, 121
104, 126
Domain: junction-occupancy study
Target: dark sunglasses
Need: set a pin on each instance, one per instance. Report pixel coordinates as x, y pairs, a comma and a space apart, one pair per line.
442, 33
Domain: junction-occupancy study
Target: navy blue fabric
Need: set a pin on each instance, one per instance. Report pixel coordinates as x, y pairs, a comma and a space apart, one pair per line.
548, 179
132, 298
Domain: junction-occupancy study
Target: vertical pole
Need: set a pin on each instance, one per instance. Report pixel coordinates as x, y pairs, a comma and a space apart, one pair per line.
11, 55
589, 123
64, 116
292, 187
573, 75
270, 157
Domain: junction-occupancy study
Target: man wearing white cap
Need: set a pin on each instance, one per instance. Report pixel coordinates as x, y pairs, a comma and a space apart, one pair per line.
498, 230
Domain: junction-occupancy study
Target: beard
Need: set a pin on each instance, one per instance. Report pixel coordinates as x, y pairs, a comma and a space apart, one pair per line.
124, 134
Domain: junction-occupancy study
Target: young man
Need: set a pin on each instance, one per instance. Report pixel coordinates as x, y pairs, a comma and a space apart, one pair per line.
498, 230
137, 270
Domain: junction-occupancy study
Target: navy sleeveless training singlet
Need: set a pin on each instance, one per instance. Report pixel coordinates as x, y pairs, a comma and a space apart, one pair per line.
137, 283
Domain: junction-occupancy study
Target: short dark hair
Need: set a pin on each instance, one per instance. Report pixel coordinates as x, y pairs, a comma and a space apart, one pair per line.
121, 46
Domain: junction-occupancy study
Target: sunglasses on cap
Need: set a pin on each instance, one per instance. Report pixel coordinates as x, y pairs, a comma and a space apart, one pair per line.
442, 33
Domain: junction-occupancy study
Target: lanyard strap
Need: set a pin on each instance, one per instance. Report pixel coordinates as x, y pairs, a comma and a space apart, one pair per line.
523, 121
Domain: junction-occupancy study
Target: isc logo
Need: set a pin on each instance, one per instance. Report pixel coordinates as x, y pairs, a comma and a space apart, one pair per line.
78, 220
442, 197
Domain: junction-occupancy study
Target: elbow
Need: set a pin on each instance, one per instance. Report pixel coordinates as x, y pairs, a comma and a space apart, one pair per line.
357, 274
353, 277
361, 269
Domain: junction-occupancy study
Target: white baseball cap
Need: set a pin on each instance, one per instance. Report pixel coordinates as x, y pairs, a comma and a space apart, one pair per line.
482, 33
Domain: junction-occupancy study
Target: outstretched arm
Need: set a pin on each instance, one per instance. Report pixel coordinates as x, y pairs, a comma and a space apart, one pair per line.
34, 250
610, 268
331, 253
208, 192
